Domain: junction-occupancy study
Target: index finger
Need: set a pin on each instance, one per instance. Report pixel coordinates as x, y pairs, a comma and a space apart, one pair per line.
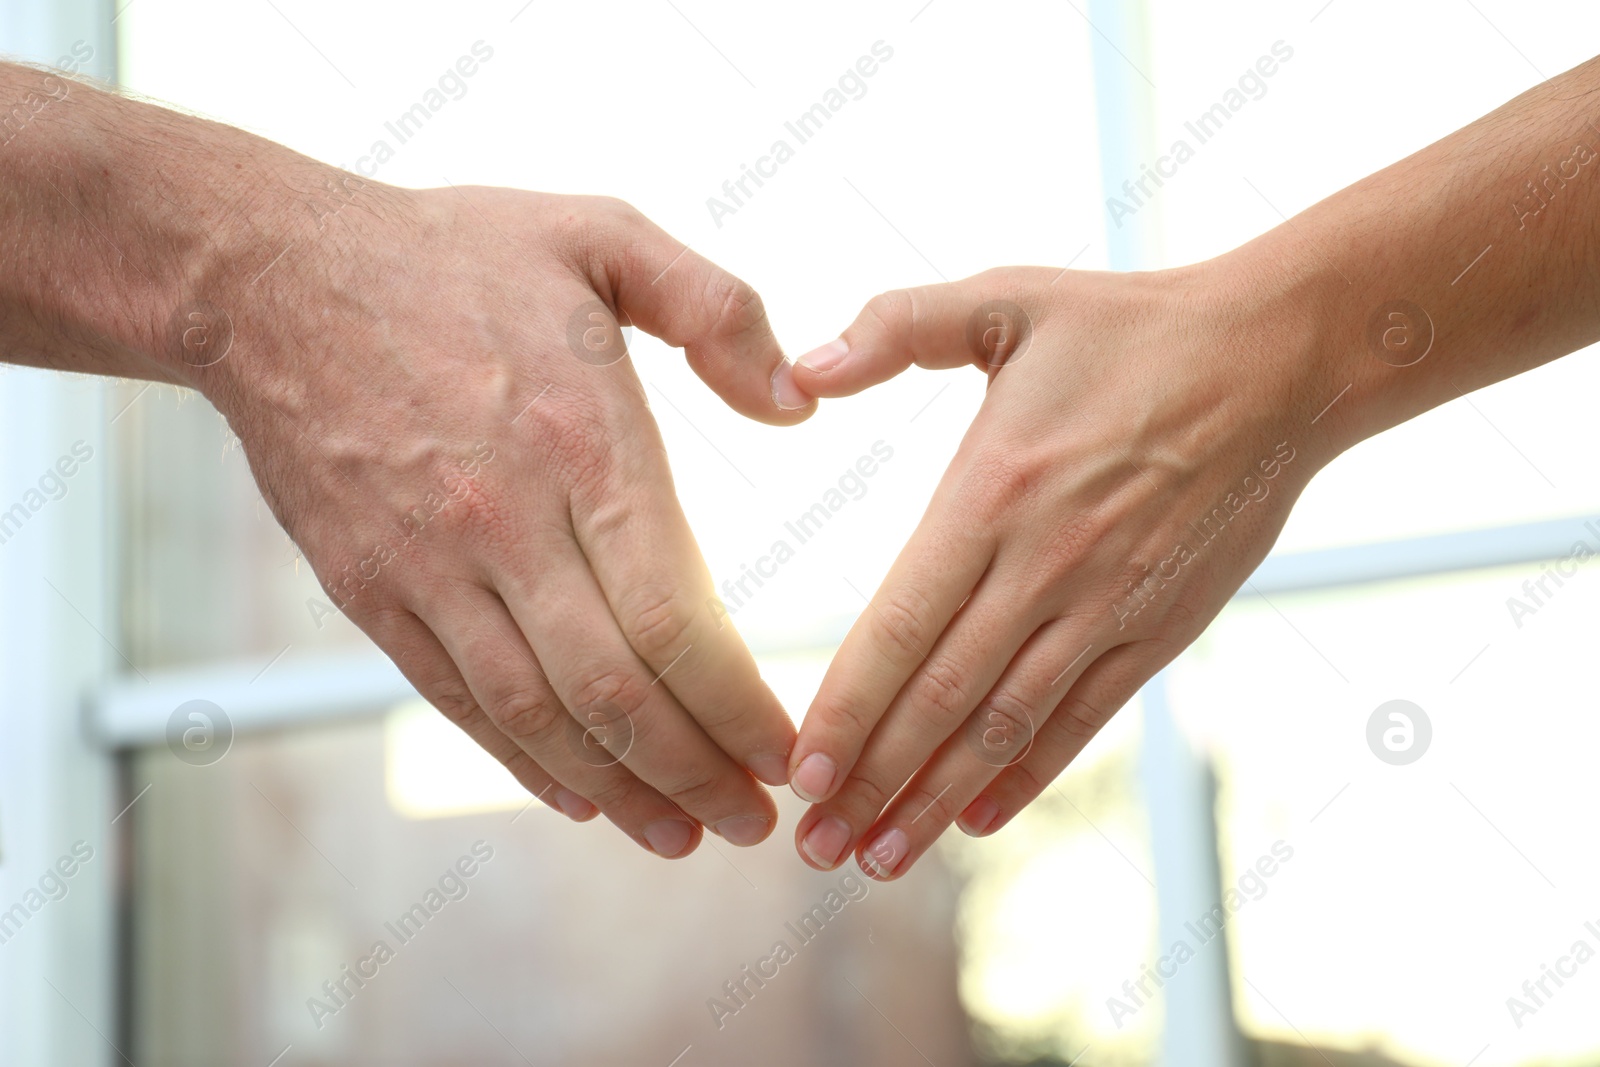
894, 634
655, 579
936, 327
672, 292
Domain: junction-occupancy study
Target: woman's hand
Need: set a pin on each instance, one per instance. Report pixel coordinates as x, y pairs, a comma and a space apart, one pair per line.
1137, 453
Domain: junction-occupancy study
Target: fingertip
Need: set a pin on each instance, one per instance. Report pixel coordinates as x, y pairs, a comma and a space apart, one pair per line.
745, 830
671, 838
824, 844
573, 806
824, 358
771, 768
885, 859
827, 371
788, 395
980, 817
814, 778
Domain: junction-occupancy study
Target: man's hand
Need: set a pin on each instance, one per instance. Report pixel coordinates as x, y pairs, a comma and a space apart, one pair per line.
438, 406
433, 395
1130, 465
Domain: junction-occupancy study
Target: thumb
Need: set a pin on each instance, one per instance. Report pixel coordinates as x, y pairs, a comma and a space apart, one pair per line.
933, 326
672, 292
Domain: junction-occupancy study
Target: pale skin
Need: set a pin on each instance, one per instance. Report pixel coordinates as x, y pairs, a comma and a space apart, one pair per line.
422, 385
1023, 612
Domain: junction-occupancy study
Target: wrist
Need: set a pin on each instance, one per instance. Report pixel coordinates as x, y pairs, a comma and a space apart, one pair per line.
109, 235
1311, 372
151, 244
289, 255
296, 255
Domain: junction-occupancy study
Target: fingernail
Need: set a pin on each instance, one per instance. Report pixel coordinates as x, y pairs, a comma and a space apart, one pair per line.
786, 392
826, 357
975, 821
743, 829
770, 768
826, 842
813, 778
885, 854
573, 806
668, 837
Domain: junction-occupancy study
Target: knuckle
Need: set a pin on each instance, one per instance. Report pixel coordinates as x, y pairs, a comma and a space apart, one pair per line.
898, 622
945, 689
1002, 479
557, 420
599, 232
866, 792
939, 807
1072, 545
657, 622
890, 312
602, 688
458, 501
589, 474
697, 790
719, 718
738, 306
523, 715
1185, 618
1026, 783
613, 209
1078, 718
443, 492
845, 718
611, 793
572, 435
454, 704
479, 518
1006, 716
521, 765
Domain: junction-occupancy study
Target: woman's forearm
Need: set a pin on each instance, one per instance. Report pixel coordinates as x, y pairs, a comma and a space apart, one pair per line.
1469, 262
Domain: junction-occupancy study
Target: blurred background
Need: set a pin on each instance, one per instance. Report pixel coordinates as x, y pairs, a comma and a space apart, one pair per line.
217, 887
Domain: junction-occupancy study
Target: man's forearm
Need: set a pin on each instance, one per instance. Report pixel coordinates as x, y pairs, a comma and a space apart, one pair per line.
1475, 257
137, 236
